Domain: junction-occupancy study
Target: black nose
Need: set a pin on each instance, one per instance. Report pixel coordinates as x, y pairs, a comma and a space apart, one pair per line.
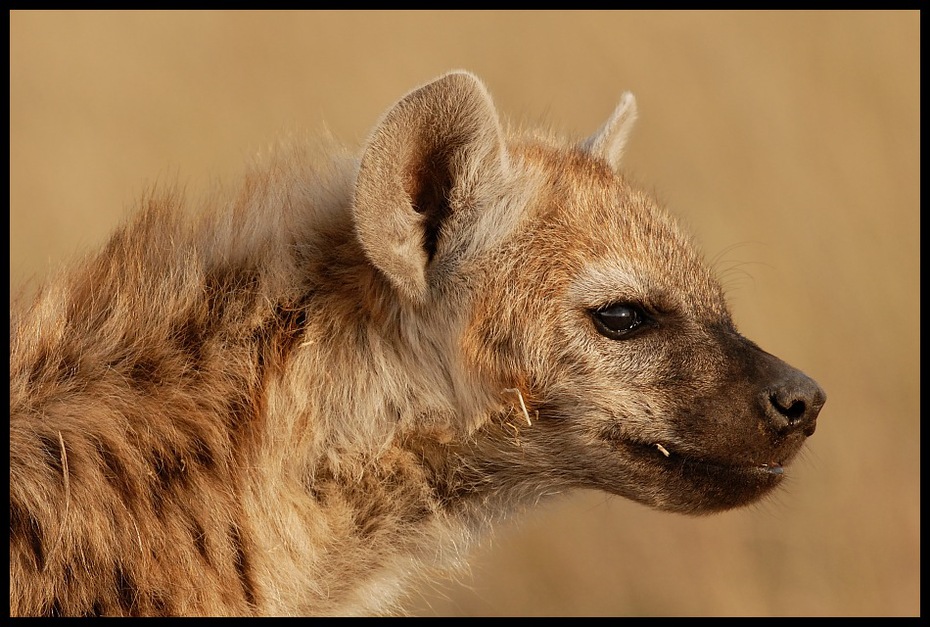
793, 403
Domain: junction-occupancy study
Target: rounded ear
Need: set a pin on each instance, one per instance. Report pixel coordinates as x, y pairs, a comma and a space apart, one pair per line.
442, 137
608, 142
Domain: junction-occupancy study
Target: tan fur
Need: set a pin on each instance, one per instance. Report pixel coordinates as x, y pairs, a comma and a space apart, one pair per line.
331, 382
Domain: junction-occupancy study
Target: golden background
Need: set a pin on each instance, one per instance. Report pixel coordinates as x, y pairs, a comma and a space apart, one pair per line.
787, 142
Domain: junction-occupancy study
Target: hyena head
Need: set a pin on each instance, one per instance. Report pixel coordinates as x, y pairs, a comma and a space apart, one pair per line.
569, 300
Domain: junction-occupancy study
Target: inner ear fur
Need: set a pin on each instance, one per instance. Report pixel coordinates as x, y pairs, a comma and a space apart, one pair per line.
430, 151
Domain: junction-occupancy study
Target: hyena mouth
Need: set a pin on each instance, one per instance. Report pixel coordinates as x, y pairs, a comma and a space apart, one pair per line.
689, 482
771, 468
670, 459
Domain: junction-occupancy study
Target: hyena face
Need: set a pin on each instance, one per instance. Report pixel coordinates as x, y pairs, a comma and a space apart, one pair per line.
619, 337
576, 294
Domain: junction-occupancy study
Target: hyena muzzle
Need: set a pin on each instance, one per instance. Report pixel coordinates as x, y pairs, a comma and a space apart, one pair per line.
338, 376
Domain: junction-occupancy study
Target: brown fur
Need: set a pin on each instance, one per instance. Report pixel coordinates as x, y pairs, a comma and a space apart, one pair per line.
336, 378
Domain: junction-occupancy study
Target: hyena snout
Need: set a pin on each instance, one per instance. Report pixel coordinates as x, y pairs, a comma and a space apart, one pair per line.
793, 401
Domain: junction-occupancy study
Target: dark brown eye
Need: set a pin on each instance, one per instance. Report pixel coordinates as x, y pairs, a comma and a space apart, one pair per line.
618, 321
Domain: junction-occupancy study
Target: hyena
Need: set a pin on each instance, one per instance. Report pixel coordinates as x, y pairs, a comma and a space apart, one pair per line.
334, 379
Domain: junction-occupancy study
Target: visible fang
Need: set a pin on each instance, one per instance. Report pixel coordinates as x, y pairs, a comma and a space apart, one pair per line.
774, 468
663, 450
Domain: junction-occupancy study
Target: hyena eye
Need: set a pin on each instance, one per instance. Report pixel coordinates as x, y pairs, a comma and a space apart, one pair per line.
618, 321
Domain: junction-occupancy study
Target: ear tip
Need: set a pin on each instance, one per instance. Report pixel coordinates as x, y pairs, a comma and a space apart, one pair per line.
462, 79
628, 103
463, 74
457, 83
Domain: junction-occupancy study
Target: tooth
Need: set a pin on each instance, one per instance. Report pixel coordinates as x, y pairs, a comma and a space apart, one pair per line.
774, 468
664, 451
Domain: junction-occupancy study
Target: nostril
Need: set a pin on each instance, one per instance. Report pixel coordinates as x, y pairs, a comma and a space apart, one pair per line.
790, 401
793, 409
790, 409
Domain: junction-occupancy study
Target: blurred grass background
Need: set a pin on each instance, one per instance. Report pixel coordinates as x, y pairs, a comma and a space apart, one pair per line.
788, 142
